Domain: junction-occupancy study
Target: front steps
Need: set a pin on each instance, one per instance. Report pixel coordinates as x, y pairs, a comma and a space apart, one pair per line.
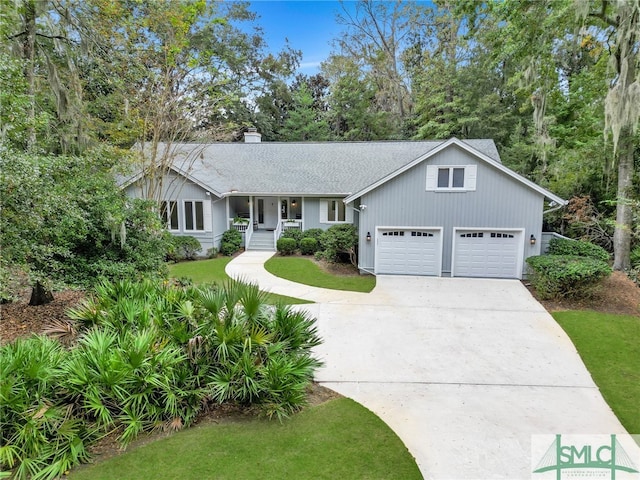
262, 240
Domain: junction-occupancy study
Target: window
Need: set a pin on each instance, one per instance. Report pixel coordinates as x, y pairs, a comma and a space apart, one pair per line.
193, 215
333, 211
336, 211
169, 213
451, 178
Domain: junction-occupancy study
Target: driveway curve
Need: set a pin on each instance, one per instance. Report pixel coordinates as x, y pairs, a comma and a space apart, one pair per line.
465, 371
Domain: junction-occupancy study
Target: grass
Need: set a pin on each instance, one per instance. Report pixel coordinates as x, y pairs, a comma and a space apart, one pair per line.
303, 270
337, 439
212, 271
610, 348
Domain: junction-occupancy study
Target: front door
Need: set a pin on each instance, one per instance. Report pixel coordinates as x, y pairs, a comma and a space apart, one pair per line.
266, 212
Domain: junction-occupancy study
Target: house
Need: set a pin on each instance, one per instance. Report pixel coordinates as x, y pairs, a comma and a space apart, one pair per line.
444, 208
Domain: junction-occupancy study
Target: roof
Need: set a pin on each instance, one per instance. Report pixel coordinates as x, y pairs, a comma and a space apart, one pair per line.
467, 146
326, 168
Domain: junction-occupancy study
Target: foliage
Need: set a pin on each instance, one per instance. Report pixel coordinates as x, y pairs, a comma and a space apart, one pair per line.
608, 345
183, 248
294, 233
286, 246
308, 246
340, 239
308, 272
570, 276
562, 246
231, 242
313, 233
82, 228
150, 355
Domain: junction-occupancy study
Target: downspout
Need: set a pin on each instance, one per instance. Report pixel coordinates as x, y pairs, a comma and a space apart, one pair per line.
553, 209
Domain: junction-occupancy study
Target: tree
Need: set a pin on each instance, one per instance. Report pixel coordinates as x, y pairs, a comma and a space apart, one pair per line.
304, 122
63, 219
375, 38
621, 20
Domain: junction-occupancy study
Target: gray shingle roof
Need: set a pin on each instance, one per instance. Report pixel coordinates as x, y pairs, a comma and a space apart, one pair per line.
302, 168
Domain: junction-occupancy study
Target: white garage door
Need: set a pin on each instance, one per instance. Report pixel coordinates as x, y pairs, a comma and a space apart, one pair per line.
487, 253
409, 251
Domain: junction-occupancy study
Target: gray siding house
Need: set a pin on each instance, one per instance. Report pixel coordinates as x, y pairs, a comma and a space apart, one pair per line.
443, 208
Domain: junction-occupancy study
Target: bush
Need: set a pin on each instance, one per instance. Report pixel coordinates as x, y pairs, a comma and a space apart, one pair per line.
570, 276
184, 248
308, 246
149, 354
286, 246
293, 233
314, 233
563, 246
635, 257
340, 240
212, 252
231, 242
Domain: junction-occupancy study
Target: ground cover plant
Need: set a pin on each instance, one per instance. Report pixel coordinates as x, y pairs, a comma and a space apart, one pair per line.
308, 272
213, 271
608, 345
148, 355
337, 439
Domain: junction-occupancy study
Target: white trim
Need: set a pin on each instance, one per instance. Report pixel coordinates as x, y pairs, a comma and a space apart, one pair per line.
519, 231
468, 149
406, 227
205, 223
324, 211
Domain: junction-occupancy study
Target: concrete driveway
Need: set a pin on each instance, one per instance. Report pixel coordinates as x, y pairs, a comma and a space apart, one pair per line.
465, 371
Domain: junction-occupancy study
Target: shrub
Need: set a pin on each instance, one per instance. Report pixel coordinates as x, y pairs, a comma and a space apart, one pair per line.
635, 257
340, 240
286, 246
150, 354
184, 248
570, 276
563, 246
308, 246
212, 252
231, 242
294, 233
314, 233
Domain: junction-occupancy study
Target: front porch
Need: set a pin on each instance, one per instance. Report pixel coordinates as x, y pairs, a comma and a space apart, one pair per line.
262, 219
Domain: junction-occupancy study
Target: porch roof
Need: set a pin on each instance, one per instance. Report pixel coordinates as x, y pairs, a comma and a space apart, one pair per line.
327, 168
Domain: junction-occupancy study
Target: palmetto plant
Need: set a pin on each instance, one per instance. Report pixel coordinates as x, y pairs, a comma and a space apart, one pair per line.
148, 355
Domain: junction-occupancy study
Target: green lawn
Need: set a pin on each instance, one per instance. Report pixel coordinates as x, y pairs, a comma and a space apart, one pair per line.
212, 271
610, 348
303, 270
338, 439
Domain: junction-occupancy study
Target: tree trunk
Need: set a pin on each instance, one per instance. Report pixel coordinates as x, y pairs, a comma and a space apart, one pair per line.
28, 55
624, 207
40, 295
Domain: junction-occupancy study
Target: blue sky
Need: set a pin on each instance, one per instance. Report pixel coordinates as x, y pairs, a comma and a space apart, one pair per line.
309, 25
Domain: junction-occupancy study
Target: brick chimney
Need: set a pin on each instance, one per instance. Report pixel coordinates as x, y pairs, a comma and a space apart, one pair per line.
252, 135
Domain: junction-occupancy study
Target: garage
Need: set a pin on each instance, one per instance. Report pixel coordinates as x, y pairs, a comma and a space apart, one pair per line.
495, 253
409, 251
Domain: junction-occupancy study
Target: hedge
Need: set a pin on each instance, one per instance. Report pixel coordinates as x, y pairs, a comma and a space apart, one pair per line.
569, 276
308, 246
564, 246
286, 246
231, 242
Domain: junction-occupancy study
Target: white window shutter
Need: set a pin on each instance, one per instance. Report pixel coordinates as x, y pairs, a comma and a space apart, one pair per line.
348, 215
324, 210
206, 213
470, 172
432, 177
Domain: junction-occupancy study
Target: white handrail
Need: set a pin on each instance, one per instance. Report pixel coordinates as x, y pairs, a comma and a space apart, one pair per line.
276, 233
247, 236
